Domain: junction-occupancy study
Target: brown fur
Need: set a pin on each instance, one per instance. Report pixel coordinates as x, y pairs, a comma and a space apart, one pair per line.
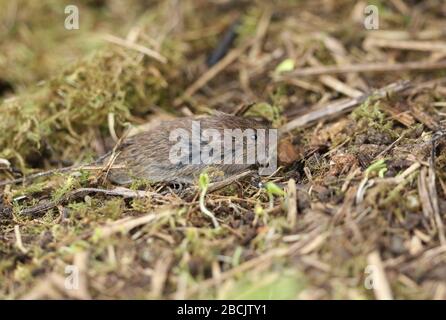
146, 155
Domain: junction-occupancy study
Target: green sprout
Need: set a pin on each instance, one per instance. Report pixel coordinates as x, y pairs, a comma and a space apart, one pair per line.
273, 190
378, 167
286, 65
203, 183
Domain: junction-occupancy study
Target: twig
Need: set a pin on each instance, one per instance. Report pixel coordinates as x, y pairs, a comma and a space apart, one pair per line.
159, 276
137, 47
426, 34
428, 194
81, 263
211, 73
340, 86
292, 203
111, 126
18, 239
334, 83
262, 28
401, 177
119, 191
405, 44
381, 286
389, 147
126, 224
366, 67
242, 108
340, 106
230, 180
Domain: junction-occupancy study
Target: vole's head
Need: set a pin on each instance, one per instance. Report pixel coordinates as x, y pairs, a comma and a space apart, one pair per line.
244, 141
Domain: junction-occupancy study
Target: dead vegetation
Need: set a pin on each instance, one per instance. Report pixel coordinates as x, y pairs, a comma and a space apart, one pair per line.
356, 211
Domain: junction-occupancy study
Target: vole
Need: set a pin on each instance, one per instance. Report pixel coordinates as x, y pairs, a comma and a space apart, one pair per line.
158, 154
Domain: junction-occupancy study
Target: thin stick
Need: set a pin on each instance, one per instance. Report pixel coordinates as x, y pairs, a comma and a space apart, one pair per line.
212, 72
292, 203
333, 82
340, 86
406, 44
119, 191
18, 239
428, 34
340, 106
137, 47
230, 180
381, 286
366, 67
390, 146
81, 263
126, 224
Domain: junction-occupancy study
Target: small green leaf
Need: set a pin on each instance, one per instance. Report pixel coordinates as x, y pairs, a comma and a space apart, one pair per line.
378, 166
274, 189
285, 66
203, 181
258, 210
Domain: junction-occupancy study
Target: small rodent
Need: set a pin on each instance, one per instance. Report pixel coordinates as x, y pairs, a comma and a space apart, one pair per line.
147, 155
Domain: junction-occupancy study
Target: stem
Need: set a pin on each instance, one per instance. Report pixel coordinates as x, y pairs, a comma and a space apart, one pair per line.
205, 210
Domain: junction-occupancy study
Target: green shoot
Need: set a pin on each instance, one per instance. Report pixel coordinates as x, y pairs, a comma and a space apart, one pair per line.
273, 190
203, 183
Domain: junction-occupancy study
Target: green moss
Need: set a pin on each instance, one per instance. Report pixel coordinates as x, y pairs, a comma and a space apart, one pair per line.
369, 116
283, 284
